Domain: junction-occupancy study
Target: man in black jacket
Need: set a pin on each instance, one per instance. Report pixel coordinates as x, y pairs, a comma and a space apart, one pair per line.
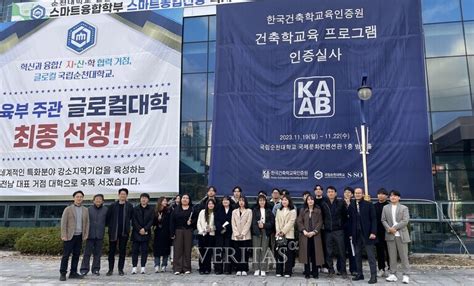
381, 245
119, 216
364, 233
97, 221
334, 216
142, 220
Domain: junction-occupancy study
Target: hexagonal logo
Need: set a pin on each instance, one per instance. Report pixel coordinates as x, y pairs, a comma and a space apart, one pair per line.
81, 37
38, 12
318, 175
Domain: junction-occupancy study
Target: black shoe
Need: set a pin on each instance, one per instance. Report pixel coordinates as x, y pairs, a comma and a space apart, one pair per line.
228, 273
201, 272
109, 273
344, 275
218, 272
121, 273
316, 276
306, 276
62, 277
75, 275
358, 277
373, 280
96, 273
207, 272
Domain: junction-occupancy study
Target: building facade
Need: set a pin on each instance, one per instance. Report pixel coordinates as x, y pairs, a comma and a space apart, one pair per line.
449, 52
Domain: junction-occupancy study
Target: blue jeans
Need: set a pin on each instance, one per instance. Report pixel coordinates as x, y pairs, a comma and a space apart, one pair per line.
164, 261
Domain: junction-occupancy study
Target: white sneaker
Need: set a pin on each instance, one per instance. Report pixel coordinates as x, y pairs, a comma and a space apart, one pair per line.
262, 273
163, 269
244, 273
187, 272
176, 273
287, 276
134, 270
143, 270
392, 278
278, 275
256, 273
157, 269
405, 279
239, 273
381, 273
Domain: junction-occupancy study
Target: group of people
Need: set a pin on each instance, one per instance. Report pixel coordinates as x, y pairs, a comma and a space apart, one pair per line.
273, 232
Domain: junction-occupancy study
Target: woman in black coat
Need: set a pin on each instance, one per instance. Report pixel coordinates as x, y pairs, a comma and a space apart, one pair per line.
142, 221
162, 239
223, 220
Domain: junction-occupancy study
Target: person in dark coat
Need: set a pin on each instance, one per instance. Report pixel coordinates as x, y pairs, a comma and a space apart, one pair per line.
223, 221
142, 221
181, 229
210, 195
309, 224
334, 217
97, 221
381, 245
364, 233
162, 238
263, 224
119, 215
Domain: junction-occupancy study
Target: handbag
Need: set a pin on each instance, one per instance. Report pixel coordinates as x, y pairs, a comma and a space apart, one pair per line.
281, 241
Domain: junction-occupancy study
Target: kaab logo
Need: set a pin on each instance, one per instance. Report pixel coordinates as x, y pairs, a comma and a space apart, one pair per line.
314, 97
81, 37
38, 12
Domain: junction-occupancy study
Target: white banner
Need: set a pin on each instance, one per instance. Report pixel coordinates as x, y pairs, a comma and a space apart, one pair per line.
91, 103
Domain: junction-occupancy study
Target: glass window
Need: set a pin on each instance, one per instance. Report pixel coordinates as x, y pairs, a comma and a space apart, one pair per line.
212, 28
436, 11
440, 119
2, 212
195, 29
469, 32
212, 56
54, 211
458, 211
471, 72
193, 160
195, 57
193, 134
21, 212
448, 84
209, 138
422, 210
194, 97
210, 95
193, 184
444, 40
467, 9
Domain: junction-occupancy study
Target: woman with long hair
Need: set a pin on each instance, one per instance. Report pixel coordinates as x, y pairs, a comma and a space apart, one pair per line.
309, 224
162, 240
206, 236
223, 219
285, 237
263, 223
181, 227
241, 235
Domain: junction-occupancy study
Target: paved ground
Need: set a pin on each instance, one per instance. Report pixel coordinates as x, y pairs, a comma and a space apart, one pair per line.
26, 270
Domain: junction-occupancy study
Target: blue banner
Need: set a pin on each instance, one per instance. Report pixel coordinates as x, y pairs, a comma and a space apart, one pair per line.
286, 105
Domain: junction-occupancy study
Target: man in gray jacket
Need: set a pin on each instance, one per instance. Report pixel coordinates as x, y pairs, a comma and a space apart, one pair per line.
395, 218
74, 229
97, 220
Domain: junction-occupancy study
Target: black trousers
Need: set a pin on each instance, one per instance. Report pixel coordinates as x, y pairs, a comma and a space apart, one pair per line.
352, 262
335, 245
311, 269
139, 247
93, 247
370, 249
122, 246
73, 247
285, 258
382, 254
242, 254
206, 249
223, 248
